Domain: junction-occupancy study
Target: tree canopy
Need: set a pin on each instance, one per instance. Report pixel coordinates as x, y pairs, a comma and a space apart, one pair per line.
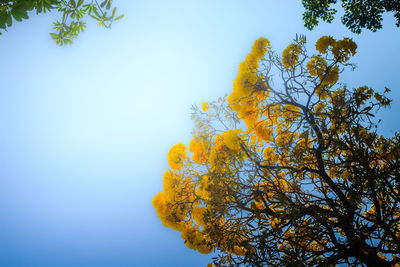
73, 13
359, 14
288, 173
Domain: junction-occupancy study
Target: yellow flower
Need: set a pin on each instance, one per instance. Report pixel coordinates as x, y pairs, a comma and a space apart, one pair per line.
380, 255
194, 239
260, 47
275, 222
247, 78
343, 48
159, 203
319, 107
263, 132
232, 139
331, 77
290, 55
167, 218
269, 155
176, 156
323, 43
316, 66
204, 107
240, 251
198, 215
291, 112
199, 149
202, 190
215, 159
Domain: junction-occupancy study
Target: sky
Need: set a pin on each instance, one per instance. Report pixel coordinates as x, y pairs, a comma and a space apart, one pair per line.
85, 129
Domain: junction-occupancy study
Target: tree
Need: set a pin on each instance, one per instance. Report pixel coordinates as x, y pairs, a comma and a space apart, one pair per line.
359, 14
288, 174
71, 24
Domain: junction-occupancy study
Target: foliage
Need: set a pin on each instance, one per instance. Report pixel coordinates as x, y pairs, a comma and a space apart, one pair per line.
71, 24
293, 174
359, 14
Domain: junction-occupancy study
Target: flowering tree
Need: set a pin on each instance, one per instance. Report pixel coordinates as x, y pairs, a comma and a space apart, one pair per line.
291, 174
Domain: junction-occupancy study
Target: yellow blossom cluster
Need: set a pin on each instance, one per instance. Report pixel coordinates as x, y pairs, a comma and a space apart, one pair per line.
328, 76
202, 190
263, 131
270, 157
317, 66
362, 94
199, 148
176, 156
323, 43
226, 148
290, 112
218, 155
290, 55
331, 76
341, 49
371, 213
172, 215
194, 239
173, 205
184, 201
232, 139
247, 82
204, 107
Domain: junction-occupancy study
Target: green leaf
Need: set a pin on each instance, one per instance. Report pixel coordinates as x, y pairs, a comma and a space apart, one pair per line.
3, 19
19, 13
119, 17
16, 15
54, 36
9, 20
64, 16
103, 3
96, 12
96, 18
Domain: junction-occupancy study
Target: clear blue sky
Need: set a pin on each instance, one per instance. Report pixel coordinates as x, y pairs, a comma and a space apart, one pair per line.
85, 129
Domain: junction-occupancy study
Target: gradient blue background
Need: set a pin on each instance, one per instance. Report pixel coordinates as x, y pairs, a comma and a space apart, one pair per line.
85, 129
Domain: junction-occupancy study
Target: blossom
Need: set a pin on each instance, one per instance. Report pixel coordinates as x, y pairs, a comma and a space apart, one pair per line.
316, 66
168, 217
291, 112
204, 107
176, 156
343, 48
194, 239
323, 43
290, 55
263, 132
232, 139
198, 147
331, 77
260, 47
247, 78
